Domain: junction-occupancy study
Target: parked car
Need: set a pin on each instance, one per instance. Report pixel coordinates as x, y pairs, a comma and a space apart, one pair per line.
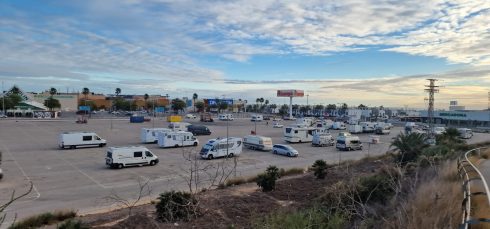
198, 130
278, 125
3, 116
267, 117
276, 119
190, 116
284, 150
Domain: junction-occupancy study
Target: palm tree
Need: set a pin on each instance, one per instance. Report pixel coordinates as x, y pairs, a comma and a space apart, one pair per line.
145, 97
53, 91
409, 145
194, 97
85, 91
118, 91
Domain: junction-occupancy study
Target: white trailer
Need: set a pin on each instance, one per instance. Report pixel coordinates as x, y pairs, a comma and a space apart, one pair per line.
298, 134
74, 139
465, 133
150, 135
367, 127
222, 147
176, 139
225, 117
306, 120
355, 129
339, 126
256, 142
178, 126
348, 142
120, 157
322, 139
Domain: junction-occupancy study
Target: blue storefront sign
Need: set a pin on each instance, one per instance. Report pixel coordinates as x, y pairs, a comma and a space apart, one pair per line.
217, 101
84, 108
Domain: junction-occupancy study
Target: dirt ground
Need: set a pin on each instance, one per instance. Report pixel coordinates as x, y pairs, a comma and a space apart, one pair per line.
238, 206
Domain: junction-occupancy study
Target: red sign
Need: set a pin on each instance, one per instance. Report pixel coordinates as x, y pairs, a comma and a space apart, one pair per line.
290, 93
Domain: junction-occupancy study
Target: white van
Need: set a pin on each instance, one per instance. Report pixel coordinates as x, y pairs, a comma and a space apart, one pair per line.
176, 139
74, 139
256, 142
298, 134
225, 117
221, 148
257, 118
368, 127
355, 129
178, 126
322, 139
348, 142
120, 157
150, 135
339, 126
382, 129
465, 133
307, 121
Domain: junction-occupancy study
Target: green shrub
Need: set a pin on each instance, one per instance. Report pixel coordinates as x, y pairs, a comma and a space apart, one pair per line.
175, 206
72, 224
267, 180
309, 218
375, 188
320, 169
43, 219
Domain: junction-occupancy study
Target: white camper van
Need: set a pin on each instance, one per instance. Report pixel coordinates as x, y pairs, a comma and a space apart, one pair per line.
226, 117
339, 126
307, 121
384, 129
368, 127
256, 142
348, 142
178, 126
74, 139
120, 157
322, 139
465, 133
221, 148
176, 139
298, 134
150, 135
257, 118
355, 129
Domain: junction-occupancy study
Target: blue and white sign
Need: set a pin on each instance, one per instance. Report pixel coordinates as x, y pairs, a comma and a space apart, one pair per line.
84, 108
217, 101
160, 109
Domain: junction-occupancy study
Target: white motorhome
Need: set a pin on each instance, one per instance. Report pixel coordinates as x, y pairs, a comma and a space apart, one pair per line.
256, 142
178, 126
322, 139
348, 142
382, 129
176, 139
339, 126
120, 157
355, 129
465, 133
306, 120
368, 127
327, 124
257, 118
74, 139
222, 147
226, 117
150, 135
298, 134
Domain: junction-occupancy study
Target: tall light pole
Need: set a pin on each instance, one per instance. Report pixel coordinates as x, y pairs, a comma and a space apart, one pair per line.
3, 99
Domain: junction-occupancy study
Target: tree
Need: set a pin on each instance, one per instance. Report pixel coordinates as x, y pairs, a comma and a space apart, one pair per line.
318, 109
121, 104
267, 181
320, 169
52, 103
177, 105
118, 91
222, 106
145, 97
362, 106
450, 137
53, 91
199, 105
194, 97
284, 109
85, 92
11, 101
409, 146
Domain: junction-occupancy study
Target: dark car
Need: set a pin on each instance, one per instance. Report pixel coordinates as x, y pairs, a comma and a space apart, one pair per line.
198, 130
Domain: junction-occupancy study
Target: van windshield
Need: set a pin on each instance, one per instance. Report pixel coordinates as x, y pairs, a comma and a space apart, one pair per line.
206, 148
109, 154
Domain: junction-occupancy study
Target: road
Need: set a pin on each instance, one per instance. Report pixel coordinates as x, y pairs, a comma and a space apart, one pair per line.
78, 179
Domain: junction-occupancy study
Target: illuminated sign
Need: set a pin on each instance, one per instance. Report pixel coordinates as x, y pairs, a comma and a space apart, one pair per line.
290, 93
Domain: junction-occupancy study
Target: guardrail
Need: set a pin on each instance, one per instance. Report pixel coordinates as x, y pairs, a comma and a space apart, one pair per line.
465, 167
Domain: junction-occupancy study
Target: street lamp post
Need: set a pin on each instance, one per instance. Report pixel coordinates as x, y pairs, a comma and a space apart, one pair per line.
3, 100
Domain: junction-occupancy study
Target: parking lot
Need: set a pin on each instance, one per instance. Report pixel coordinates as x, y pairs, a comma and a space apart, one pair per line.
79, 179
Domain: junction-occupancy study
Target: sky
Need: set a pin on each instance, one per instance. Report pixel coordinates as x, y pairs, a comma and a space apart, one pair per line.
374, 52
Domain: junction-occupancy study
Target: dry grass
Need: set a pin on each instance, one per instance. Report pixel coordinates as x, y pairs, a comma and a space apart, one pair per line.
44, 219
243, 180
435, 203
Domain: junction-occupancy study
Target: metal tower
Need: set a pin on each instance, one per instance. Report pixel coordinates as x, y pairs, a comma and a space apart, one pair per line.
432, 89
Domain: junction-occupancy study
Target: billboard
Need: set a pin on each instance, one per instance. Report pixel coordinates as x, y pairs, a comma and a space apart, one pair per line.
160, 109
217, 101
290, 93
84, 108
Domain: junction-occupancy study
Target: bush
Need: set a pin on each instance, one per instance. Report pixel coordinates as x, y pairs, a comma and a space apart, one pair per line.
175, 206
309, 218
320, 169
72, 224
267, 180
375, 188
291, 171
43, 219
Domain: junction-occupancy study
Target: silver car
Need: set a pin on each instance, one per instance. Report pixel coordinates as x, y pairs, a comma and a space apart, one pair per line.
284, 150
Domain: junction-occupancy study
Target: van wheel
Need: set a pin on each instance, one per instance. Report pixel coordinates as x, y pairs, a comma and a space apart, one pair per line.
156, 141
73, 147
289, 155
120, 166
274, 152
101, 145
210, 157
152, 163
176, 146
195, 143
299, 141
230, 155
